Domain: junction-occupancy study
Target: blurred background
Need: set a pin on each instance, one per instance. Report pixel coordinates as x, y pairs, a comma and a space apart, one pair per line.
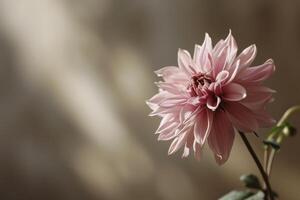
74, 77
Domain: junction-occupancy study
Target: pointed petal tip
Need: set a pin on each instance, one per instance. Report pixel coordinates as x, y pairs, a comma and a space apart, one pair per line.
253, 47
207, 37
229, 36
158, 73
220, 159
271, 62
220, 162
171, 151
147, 102
180, 50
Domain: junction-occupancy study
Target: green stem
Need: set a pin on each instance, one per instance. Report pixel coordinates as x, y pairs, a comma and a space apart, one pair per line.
287, 114
258, 164
283, 119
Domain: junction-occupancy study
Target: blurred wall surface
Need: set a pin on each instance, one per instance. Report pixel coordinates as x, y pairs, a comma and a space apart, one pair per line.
74, 77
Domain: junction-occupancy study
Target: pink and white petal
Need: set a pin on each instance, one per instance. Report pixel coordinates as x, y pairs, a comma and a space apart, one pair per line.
218, 48
258, 73
208, 66
220, 61
231, 43
257, 97
222, 76
264, 119
207, 43
213, 102
154, 101
172, 74
157, 98
258, 92
197, 57
168, 133
234, 92
197, 51
234, 71
186, 112
188, 146
191, 115
161, 111
171, 87
203, 124
246, 57
167, 71
241, 117
179, 141
205, 53
165, 122
173, 101
185, 62
186, 152
221, 137
195, 101
197, 150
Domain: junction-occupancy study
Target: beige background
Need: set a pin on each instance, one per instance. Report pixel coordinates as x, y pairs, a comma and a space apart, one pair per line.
74, 76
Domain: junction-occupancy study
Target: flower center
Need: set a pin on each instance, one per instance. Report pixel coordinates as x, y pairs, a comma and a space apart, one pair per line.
199, 84
201, 80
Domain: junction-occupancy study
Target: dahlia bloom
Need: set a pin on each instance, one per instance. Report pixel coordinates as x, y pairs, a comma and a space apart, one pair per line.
210, 96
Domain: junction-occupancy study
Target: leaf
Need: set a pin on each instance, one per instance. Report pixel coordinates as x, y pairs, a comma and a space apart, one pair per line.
237, 195
258, 196
251, 181
277, 128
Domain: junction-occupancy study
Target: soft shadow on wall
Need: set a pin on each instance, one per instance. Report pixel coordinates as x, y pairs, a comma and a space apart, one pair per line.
74, 79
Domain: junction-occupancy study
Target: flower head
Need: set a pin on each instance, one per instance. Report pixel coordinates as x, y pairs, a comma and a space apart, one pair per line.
211, 95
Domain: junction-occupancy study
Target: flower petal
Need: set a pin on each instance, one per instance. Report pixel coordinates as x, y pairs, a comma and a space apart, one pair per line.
197, 57
188, 146
173, 101
179, 141
213, 102
231, 43
172, 74
220, 61
234, 71
167, 71
168, 133
203, 126
204, 58
185, 62
166, 121
241, 117
234, 92
246, 57
197, 150
258, 73
257, 97
222, 76
221, 137
264, 119
218, 48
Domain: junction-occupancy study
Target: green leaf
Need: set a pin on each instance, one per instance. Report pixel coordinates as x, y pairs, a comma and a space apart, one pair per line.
237, 195
251, 181
277, 128
258, 196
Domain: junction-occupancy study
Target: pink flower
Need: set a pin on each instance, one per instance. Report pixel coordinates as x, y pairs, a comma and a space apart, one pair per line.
211, 96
